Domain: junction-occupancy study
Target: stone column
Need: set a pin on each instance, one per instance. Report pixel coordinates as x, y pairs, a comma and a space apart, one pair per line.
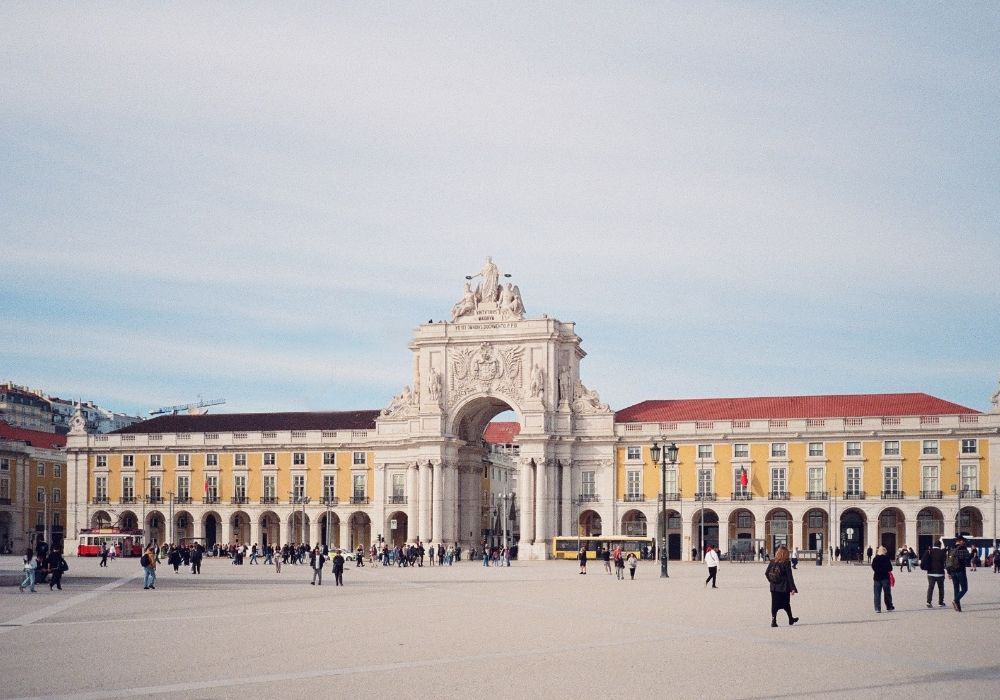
425, 503
254, 531
687, 539
437, 530
198, 528
345, 533
526, 486
451, 503
567, 528
541, 502
314, 532
758, 532
911, 534
227, 529
412, 503
724, 534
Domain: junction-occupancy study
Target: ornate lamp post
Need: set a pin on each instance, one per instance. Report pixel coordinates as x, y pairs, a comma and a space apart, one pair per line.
665, 455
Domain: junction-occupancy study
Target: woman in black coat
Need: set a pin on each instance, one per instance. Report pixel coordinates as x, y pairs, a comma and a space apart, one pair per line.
782, 584
881, 571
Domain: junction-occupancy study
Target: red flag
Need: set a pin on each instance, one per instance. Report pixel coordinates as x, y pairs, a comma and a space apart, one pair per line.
743, 477
206, 486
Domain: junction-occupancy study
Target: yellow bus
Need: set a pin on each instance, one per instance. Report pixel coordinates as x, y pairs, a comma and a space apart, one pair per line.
569, 547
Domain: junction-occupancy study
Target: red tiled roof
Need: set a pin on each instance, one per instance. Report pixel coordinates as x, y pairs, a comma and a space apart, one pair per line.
35, 438
252, 422
776, 407
501, 432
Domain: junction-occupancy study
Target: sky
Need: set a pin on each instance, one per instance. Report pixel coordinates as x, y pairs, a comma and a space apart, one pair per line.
262, 201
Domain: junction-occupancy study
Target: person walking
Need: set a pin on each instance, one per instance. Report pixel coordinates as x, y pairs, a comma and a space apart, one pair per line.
196, 556
316, 561
338, 568
795, 558
56, 566
955, 562
619, 564
30, 565
782, 585
359, 557
870, 552
253, 554
606, 557
882, 576
582, 556
933, 563
279, 559
633, 563
712, 562
148, 563
104, 554
174, 558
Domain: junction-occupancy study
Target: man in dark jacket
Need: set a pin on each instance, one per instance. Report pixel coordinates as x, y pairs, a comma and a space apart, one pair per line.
196, 556
933, 563
338, 568
881, 571
55, 565
956, 573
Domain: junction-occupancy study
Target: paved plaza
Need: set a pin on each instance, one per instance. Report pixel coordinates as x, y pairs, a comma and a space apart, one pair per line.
536, 628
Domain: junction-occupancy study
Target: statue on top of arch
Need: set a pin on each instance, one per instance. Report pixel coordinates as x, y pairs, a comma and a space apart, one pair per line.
995, 400
490, 296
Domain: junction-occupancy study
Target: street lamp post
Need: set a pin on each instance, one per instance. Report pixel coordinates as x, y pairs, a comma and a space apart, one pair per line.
958, 515
173, 531
664, 456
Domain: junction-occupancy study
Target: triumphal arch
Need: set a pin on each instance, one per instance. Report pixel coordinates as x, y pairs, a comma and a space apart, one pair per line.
489, 358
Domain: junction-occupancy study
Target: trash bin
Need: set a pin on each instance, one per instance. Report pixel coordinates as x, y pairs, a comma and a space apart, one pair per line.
819, 559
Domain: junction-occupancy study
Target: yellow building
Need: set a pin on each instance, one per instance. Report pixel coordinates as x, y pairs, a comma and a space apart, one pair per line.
32, 488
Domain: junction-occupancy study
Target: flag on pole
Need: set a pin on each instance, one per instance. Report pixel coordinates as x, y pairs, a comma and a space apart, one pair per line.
206, 486
743, 476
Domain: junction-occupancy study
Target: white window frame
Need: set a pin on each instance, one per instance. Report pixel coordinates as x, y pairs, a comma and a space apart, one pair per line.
329, 459
891, 452
329, 486
741, 447
40, 495
128, 461
270, 459
183, 459
969, 476
930, 477
779, 450
779, 480
671, 480
128, 486
183, 486
101, 486
212, 459
706, 477
891, 477
706, 451
298, 486
633, 453
361, 479
298, 459
860, 479
738, 488
816, 479
240, 486
57, 470
633, 482
854, 448
975, 446
821, 452
155, 460
360, 458
588, 483
40, 469
102, 462
270, 486
213, 485
930, 448
156, 486
398, 485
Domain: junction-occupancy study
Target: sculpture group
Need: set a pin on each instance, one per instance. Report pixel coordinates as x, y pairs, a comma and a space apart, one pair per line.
489, 295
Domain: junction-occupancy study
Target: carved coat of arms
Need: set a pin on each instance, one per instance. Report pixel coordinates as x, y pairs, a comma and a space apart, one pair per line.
485, 369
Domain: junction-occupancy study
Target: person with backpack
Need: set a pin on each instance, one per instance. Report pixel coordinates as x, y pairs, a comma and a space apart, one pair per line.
882, 576
712, 562
56, 566
148, 563
782, 584
954, 564
30, 565
933, 563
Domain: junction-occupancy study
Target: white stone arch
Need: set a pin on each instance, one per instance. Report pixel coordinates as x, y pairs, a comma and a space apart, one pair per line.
492, 399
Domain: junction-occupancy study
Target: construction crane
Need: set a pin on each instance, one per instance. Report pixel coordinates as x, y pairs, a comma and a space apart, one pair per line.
192, 409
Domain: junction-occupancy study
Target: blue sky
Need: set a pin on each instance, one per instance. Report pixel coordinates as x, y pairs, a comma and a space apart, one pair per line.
261, 202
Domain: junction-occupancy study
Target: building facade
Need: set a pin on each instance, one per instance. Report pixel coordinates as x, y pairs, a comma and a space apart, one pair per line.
33, 409
818, 471
32, 488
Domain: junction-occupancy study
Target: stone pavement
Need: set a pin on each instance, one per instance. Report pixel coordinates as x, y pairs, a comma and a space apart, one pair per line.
536, 628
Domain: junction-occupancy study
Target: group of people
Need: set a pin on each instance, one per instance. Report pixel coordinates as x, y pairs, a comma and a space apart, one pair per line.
939, 563
41, 564
609, 555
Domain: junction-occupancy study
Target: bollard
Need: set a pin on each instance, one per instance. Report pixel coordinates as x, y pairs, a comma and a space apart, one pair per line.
819, 560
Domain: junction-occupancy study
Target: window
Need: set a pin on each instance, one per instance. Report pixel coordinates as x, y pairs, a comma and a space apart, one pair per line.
4, 488
183, 460
298, 458
633, 484
4, 464
930, 477
211, 460
744, 520
57, 470
359, 484
930, 447
890, 448
970, 476
634, 453
778, 480
240, 486
184, 487
853, 482
102, 461
40, 495
853, 449
588, 483
155, 488
155, 461
212, 487
359, 458
128, 488
128, 461
329, 486
41, 469
816, 519
298, 486
890, 478
240, 459
741, 449
398, 486
704, 452
40, 520
779, 449
706, 481
270, 487
329, 458
101, 487
738, 488
970, 446
671, 481
815, 449
817, 479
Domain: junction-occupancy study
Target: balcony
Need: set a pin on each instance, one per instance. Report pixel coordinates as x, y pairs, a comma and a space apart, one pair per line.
330, 501
100, 500
931, 494
893, 495
741, 496
210, 500
397, 500
671, 496
971, 493
300, 500
360, 500
705, 496
635, 497
268, 500
182, 499
588, 498
239, 500
777, 495
817, 495
126, 500
854, 495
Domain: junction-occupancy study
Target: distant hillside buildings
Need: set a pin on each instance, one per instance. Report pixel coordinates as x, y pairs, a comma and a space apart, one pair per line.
33, 409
